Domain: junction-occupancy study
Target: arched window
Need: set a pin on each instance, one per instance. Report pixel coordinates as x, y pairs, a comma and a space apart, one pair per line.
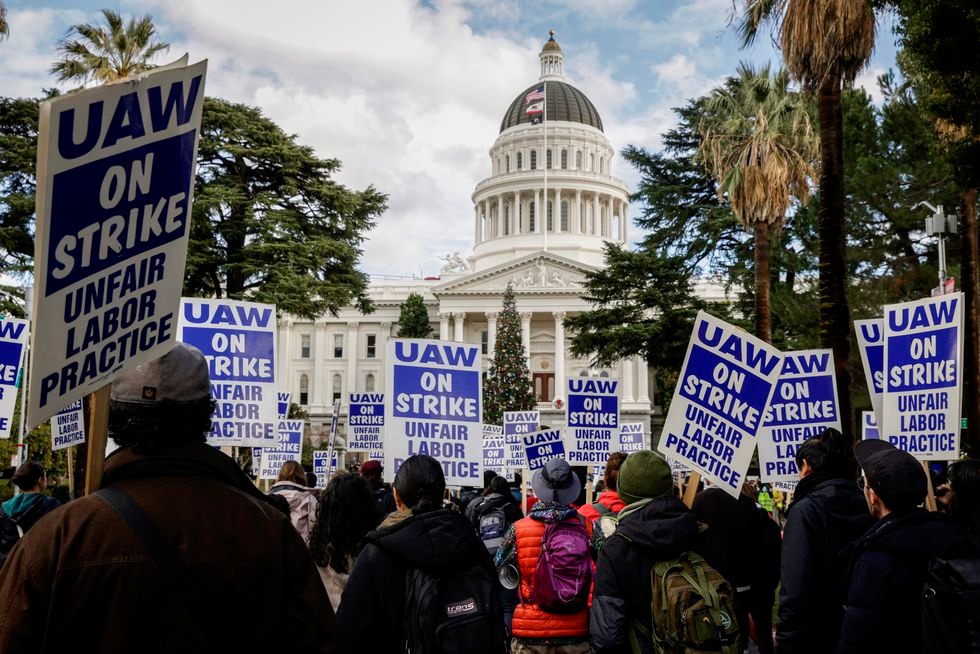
530, 226
591, 162
304, 390
520, 160
369, 383
548, 163
337, 387
604, 373
551, 222
506, 219
578, 160
564, 216
564, 159
534, 159
507, 159
602, 163
583, 373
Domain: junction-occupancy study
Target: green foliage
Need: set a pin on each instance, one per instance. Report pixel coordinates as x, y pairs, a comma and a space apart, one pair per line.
507, 386
270, 225
38, 449
296, 412
18, 156
4, 27
413, 318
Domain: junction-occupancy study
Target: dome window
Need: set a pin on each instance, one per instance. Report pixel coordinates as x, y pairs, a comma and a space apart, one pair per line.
578, 160
564, 159
534, 159
520, 160
548, 162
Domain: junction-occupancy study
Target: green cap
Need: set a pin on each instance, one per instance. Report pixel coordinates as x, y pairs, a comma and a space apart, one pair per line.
644, 474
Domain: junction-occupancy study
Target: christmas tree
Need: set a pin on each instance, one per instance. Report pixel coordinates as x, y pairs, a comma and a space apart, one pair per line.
508, 383
413, 321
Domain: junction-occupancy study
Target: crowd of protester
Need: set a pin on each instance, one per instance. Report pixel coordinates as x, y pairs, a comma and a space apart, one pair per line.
179, 551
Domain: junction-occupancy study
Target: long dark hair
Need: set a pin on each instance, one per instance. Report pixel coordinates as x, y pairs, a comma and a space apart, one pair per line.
964, 479
28, 476
420, 483
345, 514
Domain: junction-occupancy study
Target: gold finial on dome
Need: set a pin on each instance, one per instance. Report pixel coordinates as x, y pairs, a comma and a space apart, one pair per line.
551, 45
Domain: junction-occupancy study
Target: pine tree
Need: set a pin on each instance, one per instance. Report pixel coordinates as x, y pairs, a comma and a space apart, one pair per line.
508, 383
413, 321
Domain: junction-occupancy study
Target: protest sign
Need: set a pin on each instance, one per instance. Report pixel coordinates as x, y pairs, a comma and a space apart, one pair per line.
920, 406
283, 404
516, 424
721, 397
376, 455
592, 419
631, 437
238, 339
115, 180
869, 426
803, 405
13, 341
871, 344
494, 449
365, 422
320, 468
289, 448
435, 407
68, 426
541, 446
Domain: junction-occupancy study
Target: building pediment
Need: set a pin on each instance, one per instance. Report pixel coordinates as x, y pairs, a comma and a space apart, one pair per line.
541, 273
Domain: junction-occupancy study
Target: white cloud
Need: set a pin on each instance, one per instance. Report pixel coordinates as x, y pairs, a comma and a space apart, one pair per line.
31, 49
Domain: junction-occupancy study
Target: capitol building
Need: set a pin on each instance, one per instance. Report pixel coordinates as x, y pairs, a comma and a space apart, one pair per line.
540, 220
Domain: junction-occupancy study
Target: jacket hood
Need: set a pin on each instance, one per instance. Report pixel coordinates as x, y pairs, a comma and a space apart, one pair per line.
917, 533
18, 505
433, 540
841, 499
493, 501
610, 499
664, 526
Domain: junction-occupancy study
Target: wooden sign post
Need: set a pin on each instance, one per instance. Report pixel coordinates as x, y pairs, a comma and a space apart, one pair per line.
97, 414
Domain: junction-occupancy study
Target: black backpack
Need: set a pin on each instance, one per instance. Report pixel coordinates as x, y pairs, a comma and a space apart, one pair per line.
10, 533
951, 607
456, 613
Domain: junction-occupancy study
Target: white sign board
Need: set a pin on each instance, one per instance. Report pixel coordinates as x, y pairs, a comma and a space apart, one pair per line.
721, 398
283, 404
804, 404
516, 424
592, 419
631, 437
542, 446
68, 426
238, 339
494, 449
869, 426
320, 468
13, 339
289, 448
923, 378
434, 406
365, 422
871, 345
115, 182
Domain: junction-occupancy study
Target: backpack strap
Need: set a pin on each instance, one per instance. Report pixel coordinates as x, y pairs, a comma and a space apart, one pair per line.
602, 509
183, 582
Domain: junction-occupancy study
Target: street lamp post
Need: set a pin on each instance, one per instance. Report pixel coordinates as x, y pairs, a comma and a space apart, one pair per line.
939, 224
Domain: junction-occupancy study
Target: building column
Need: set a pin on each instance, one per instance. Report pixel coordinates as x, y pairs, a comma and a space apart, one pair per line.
537, 212
517, 212
643, 394
609, 217
383, 337
577, 222
526, 337
499, 230
559, 353
500, 209
491, 332
284, 353
458, 319
352, 356
318, 392
594, 225
444, 326
623, 223
629, 372
477, 226
557, 211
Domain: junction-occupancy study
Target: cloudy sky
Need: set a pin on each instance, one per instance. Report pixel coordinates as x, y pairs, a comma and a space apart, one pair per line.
409, 95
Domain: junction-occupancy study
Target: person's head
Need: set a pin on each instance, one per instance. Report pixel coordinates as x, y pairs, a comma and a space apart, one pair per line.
345, 514
372, 470
827, 452
500, 486
644, 474
30, 477
488, 477
611, 474
556, 482
964, 485
163, 402
419, 484
894, 479
292, 471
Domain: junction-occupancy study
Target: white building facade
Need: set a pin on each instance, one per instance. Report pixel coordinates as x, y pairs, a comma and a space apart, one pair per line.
540, 223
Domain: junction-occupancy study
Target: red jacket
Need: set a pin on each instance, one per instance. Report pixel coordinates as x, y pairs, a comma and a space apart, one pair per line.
609, 499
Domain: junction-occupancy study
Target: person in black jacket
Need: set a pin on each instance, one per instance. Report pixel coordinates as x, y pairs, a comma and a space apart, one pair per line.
654, 526
371, 472
828, 514
419, 535
498, 496
20, 512
883, 611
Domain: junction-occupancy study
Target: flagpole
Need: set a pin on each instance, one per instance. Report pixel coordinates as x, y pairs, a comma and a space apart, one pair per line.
545, 123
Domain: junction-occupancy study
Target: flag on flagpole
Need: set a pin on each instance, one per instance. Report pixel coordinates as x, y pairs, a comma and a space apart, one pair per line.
534, 104
536, 107
536, 94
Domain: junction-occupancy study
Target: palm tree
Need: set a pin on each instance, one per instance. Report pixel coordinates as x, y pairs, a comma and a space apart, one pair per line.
825, 44
105, 55
758, 142
4, 27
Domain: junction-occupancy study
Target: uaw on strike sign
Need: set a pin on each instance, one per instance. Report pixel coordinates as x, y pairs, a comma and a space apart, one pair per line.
114, 184
720, 402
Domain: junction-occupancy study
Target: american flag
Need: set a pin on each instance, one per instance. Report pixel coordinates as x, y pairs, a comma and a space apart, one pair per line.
536, 94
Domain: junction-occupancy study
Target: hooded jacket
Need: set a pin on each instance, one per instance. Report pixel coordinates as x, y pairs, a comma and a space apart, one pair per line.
884, 603
481, 505
81, 575
23, 511
302, 505
659, 531
829, 514
607, 498
372, 608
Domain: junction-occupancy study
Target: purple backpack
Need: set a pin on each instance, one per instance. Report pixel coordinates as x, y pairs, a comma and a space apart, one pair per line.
563, 576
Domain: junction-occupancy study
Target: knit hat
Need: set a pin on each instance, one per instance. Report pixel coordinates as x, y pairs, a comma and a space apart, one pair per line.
180, 375
644, 474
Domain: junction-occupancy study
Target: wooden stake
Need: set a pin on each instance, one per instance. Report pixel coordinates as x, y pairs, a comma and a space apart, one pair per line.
97, 434
692, 489
524, 482
71, 472
680, 483
931, 495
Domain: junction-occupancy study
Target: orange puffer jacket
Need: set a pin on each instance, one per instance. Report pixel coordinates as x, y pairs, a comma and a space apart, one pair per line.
531, 622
